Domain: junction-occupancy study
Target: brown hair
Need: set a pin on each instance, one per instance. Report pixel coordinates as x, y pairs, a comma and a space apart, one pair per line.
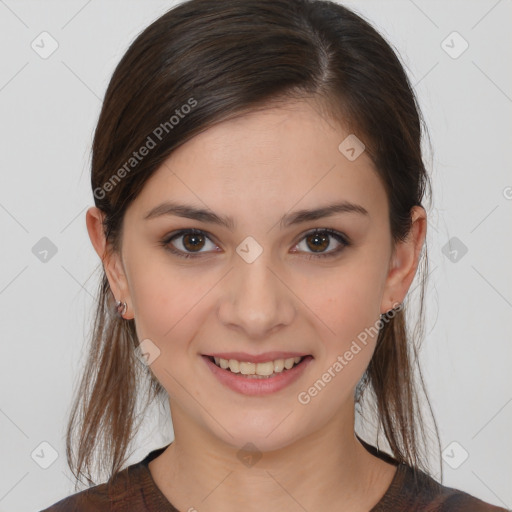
222, 59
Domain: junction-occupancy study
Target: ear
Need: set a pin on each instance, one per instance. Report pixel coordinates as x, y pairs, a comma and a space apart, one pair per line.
112, 262
404, 261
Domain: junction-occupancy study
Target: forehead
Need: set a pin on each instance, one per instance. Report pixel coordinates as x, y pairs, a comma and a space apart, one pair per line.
280, 156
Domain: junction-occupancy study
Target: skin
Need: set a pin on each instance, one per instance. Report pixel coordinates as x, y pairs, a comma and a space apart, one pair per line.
256, 168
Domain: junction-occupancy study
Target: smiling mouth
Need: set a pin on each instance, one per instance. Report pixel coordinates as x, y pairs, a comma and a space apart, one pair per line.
263, 370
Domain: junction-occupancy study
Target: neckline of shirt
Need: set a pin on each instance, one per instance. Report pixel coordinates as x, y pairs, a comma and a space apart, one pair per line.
162, 504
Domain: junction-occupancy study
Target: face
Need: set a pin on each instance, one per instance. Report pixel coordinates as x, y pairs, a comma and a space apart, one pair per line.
266, 284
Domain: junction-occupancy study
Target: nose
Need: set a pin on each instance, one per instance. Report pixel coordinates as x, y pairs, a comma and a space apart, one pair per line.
255, 299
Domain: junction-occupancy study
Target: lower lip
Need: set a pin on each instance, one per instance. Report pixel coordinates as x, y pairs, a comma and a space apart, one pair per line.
252, 386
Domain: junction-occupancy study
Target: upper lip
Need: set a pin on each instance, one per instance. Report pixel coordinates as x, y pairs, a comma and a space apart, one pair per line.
256, 358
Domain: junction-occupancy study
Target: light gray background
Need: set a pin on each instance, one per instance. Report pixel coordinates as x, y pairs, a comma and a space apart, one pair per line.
48, 112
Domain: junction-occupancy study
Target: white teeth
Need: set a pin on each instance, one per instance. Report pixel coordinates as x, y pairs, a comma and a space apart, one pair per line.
247, 368
263, 369
279, 365
234, 366
288, 363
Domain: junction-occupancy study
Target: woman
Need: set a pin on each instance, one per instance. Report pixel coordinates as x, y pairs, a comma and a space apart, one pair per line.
259, 187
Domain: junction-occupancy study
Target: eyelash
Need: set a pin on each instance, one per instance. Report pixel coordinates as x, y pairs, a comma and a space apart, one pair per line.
342, 239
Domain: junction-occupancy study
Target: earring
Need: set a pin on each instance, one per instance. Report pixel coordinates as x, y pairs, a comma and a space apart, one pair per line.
121, 308
392, 310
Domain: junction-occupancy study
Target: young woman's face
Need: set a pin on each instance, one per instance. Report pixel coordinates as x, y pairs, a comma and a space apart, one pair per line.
261, 287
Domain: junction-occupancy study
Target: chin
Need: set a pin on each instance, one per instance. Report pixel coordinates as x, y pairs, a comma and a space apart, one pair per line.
261, 436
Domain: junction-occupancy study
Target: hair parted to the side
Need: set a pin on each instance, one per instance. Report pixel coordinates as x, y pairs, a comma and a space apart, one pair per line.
224, 59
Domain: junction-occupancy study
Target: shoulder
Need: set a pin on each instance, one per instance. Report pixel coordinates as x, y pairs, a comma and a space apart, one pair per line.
414, 490
454, 500
82, 501
122, 494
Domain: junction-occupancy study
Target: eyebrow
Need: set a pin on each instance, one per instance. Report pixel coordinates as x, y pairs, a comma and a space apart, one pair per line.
297, 217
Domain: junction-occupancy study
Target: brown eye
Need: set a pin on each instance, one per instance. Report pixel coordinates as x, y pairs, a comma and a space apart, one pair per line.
189, 243
193, 241
318, 242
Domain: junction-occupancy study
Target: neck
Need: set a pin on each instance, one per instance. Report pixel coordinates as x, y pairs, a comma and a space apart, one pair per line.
199, 471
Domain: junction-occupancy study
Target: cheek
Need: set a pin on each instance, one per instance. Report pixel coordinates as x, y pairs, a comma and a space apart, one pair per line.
166, 303
346, 299
348, 303
161, 296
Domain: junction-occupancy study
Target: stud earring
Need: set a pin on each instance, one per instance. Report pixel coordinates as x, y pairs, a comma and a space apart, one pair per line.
121, 308
391, 312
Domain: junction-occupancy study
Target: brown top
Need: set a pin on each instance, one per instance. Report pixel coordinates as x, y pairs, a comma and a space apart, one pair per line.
136, 491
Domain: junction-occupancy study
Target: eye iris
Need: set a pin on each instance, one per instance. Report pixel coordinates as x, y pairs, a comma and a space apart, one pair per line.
196, 241
321, 242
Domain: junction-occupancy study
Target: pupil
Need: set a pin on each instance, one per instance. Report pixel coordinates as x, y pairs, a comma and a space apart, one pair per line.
319, 239
195, 241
